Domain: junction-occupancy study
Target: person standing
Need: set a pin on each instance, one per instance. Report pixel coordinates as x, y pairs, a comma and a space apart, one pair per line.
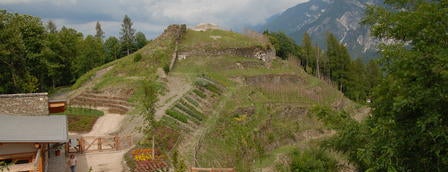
72, 163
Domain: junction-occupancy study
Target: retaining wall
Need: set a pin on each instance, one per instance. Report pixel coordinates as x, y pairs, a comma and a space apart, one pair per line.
24, 104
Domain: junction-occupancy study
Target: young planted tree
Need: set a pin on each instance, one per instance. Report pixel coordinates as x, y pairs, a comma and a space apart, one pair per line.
127, 36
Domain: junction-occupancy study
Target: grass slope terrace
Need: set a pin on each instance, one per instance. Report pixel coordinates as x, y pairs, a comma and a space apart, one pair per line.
242, 112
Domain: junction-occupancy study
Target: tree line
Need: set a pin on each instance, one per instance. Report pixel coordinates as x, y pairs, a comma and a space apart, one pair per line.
408, 127
354, 78
36, 57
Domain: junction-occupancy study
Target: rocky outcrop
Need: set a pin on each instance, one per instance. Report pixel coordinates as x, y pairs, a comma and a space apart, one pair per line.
24, 104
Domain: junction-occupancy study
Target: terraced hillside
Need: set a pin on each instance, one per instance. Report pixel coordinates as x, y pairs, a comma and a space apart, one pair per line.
239, 107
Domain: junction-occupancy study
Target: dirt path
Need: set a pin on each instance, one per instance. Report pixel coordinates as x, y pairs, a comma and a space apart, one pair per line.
177, 86
107, 161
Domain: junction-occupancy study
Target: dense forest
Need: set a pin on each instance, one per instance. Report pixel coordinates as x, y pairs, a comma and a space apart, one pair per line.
37, 57
355, 78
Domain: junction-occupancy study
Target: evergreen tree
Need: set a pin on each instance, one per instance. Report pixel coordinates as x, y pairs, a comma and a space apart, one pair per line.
373, 75
357, 85
339, 61
309, 54
127, 36
99, 32
51, 27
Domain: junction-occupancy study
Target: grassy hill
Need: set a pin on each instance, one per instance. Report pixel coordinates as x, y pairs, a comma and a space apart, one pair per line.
241, 112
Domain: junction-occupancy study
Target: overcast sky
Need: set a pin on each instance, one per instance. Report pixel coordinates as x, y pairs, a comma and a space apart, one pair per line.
149, 16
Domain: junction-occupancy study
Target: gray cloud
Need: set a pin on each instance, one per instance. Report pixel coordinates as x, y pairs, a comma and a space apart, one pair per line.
149, 16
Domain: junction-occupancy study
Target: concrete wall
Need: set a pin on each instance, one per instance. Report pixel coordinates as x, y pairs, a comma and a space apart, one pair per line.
24, 104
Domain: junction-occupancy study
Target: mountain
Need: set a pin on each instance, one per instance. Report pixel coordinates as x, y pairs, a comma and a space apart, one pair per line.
317, 17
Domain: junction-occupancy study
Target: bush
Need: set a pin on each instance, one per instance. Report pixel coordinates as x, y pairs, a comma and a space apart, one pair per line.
137, 57
192, 101
199, 93
312, 160
193, 113
166, 68
209, 86
177, 115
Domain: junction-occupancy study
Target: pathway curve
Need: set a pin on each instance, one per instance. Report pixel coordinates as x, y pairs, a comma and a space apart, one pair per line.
107, 161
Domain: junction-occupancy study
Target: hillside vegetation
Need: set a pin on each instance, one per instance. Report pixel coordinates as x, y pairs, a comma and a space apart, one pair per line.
241, 112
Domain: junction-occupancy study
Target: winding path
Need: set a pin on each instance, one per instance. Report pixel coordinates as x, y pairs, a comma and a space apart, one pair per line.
107, 161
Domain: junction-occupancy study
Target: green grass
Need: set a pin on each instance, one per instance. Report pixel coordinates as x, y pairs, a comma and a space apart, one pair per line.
192, 101
177, 115
258, 139
199, 93
154, 55
81, 119
203, 39
190, 111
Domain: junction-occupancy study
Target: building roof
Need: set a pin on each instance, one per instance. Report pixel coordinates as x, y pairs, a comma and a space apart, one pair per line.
14, 128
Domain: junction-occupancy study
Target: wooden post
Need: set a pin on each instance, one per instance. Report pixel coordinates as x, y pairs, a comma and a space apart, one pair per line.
153, 150
100, 148
81, 145
117, 142
129, 141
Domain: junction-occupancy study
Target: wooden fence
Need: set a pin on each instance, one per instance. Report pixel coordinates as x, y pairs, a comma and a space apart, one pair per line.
193, 169
98, 143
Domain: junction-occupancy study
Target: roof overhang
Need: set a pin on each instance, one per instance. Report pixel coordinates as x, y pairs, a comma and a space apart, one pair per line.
33, 129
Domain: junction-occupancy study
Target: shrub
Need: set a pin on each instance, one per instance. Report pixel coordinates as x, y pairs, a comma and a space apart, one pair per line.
312, 160
177, 115
166, 68
209, 86
192, 101
193, 113
199, 93
137, 57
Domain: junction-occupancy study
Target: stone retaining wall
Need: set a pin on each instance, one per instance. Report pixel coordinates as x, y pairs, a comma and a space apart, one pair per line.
24, 104
249, 52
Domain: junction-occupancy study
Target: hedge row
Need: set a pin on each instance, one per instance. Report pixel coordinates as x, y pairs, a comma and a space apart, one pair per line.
177, 115
192, 113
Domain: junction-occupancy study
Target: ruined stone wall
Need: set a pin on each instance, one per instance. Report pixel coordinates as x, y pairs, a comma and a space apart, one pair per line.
24, 104
249, 52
